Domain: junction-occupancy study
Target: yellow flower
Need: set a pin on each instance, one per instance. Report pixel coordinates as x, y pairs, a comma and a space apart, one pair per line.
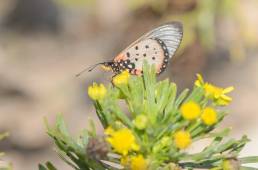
182, 139
121, 78
209, 116
190, 110
97, 91
122, 140
138, 163
217, 94
140, 122
199, 82
109, 130
125, 160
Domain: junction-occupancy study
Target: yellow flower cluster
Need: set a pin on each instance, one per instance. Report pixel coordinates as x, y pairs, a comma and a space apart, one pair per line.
136, 162
192, 111
97, 91
209, 116
122, 140
182, 139
121, 78
217, 94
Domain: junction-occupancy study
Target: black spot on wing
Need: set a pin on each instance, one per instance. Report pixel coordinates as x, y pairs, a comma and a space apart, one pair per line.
166, 55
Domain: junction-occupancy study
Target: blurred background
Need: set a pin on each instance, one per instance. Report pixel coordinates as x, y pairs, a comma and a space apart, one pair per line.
45, 43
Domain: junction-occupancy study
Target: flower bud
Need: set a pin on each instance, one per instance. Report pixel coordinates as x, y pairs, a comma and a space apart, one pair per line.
140, 122
97, 91
121, 78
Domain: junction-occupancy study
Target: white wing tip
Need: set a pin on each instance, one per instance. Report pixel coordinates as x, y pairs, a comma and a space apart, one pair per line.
176, 24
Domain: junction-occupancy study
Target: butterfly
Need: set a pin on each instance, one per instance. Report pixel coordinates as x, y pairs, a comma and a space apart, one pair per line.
157, 47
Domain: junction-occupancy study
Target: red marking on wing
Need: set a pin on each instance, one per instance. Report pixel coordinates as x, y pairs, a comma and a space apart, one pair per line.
136, 72
120, 57
158, 67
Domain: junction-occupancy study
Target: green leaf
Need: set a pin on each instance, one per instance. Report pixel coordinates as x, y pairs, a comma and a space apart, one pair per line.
60, 124
72, 151
83, 139
172, 98
225, 146
102, 115
92, 129
149, 77
49, 166
247, 168
222, 133
249, 159
170, 109
122, 116
171, 128
41, 167
136, 97
240, 144
196, 95
62, 155
206, 152
181, 97
163, 94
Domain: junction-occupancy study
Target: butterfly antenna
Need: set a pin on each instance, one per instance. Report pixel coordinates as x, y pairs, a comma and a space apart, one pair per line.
89, 69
